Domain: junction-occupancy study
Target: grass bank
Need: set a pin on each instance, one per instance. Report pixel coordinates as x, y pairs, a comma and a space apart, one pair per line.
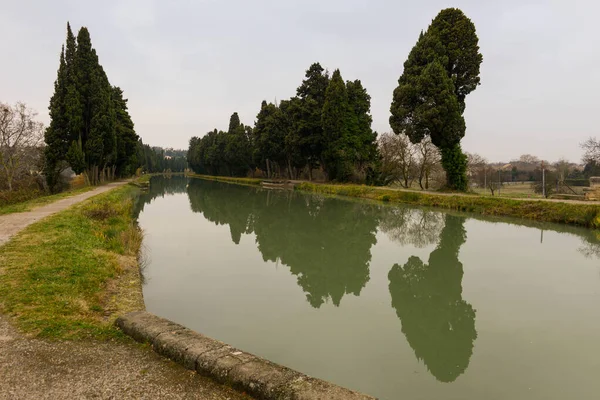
25, 201
69, 275
241, 181
559, 212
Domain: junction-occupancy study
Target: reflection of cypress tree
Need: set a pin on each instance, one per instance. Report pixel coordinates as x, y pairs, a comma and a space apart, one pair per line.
159, 187
326, 243
439, 325
223, 204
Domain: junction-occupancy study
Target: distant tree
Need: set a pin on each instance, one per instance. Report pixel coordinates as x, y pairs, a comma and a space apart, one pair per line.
549, 183
476, 169
563, 169
20, 137
238, 154
441, 70
529, 159
591, 149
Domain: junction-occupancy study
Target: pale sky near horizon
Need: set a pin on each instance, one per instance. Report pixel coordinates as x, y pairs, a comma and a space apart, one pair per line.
185, 66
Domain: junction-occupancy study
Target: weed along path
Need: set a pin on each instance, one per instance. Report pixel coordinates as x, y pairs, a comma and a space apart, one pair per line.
11, 224
57, 340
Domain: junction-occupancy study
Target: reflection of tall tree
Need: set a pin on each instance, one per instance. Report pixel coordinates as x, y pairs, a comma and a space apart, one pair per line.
439, 325
160, 186
223, 204
325, 242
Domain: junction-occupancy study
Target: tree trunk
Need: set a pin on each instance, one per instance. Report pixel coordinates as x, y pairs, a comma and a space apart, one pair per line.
289, 165
309, 172
268, 170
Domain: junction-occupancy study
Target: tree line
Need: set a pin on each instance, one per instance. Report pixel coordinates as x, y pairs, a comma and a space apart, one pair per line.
327, 125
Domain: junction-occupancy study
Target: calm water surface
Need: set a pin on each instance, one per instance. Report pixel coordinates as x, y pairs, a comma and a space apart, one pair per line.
397, 302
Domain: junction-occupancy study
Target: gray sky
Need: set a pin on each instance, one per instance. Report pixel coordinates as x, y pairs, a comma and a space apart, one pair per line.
187, 65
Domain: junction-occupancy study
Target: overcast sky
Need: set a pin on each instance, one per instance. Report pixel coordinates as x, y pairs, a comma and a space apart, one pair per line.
187, 65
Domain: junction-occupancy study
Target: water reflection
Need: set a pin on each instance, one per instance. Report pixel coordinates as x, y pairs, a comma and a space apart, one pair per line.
326, 247
438, 324
163, 185
326, 243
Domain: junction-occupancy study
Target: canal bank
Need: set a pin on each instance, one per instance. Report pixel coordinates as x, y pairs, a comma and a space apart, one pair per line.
385, 299
579, 213
228, 365
68, 272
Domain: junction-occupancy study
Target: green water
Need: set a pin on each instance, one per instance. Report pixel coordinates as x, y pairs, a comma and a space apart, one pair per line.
397, 302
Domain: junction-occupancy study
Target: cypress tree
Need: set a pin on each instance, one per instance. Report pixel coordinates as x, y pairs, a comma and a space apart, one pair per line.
126, 137
234, 123
364, 139
441, 70
56, 133
312, 99
337, 123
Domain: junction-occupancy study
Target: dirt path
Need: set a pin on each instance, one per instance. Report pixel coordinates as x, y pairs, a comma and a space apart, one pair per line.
11, 224
40, 369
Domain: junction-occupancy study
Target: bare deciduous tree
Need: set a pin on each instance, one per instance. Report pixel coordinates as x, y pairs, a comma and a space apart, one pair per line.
592, 151
563, 168
20, 138
529, 159
476, 169
428, 161
397, 158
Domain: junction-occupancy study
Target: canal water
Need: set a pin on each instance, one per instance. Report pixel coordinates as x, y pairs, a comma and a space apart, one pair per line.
394, 301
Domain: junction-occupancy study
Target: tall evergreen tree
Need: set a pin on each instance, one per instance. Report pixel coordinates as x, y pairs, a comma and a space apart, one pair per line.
312, 99
338, 124
64, 109
441, 70
364, 139
126, 137
90, 128
56, 133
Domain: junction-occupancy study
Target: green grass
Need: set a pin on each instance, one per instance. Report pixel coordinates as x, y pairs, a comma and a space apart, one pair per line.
29, 204
559, 212
56, 276
243, 181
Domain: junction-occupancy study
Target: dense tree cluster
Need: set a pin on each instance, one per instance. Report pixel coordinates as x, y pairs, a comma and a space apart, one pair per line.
90, 128
156, 159
441, 70
327, 124
223, 152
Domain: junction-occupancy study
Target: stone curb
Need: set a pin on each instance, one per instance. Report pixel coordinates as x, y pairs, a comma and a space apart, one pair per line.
243, 371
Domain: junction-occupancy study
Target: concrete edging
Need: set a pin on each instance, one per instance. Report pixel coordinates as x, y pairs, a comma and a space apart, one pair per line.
254, 375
